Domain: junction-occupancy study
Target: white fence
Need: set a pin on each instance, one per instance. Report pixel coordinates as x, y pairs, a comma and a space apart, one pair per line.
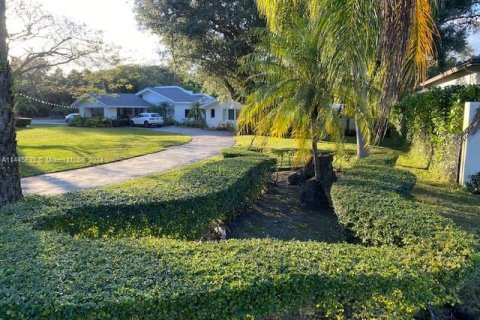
470, 157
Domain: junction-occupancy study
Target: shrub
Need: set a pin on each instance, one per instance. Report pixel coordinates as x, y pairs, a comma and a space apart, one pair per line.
183, 204
194, 123
474, 185
226, 126
23, 122
120, 122
52, 275
373, 201
91, 122
431, 123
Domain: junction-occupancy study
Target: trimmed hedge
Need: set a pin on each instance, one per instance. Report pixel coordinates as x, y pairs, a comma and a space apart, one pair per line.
45, 274
23, 122
373, 200
183, 204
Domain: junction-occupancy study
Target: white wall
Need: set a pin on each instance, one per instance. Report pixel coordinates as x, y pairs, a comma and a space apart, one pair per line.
179, 111
470, 157
473, 78
178, 108
84, 107
219, 107
110, 113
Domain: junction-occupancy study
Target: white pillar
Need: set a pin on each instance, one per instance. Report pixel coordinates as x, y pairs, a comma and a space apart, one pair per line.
470, 158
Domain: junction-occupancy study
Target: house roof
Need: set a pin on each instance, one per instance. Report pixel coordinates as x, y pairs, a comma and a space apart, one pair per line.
178, 94
469, 66
121, 100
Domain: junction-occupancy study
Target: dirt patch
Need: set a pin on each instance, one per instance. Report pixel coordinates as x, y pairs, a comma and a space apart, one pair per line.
279, 214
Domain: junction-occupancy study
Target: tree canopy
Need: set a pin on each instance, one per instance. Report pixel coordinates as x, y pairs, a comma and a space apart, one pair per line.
455, 20
205, 38
40, 40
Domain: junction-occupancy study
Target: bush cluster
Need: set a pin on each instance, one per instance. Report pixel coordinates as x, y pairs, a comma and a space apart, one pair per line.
474, 185
183, 204
431, 123
91, 122
373, 200
47, 274
23, 122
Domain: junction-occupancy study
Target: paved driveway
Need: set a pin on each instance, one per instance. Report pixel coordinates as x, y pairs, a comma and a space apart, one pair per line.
204, 144
49, 121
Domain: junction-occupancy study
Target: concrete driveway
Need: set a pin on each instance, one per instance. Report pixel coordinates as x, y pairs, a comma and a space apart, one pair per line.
49, 121
204, 144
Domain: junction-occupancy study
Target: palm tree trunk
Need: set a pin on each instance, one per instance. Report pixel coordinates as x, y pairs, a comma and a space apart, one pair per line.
316, 158
362, 150
10, 189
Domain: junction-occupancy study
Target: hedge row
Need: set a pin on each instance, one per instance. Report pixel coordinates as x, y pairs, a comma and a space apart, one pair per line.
373, 200
45, 274
183, 204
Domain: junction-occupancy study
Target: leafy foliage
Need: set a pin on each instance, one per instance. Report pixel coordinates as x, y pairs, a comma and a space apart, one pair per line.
474, 185
62, 88
209, 35
455, 20
53, 275
184, 204
22, 122
296, 76
431, 122
91, 122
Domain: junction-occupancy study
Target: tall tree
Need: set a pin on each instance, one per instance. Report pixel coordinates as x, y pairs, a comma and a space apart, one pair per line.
405, 39
296, 71
205, 37
40, 40
455, 20
10, 189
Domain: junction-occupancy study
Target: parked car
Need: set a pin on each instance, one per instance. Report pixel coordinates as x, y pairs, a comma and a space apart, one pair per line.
71, 116
147, 120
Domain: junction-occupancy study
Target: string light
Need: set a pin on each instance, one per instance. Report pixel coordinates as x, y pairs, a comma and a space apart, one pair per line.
45, 102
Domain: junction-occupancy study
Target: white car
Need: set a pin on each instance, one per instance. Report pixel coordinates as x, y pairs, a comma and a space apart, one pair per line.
147, 120
71, 116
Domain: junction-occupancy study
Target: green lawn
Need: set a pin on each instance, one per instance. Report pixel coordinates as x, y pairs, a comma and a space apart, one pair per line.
344, 159
455, 203
57, 148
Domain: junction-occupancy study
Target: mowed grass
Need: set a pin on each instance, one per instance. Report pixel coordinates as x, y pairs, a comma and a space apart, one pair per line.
284, 149
50, 148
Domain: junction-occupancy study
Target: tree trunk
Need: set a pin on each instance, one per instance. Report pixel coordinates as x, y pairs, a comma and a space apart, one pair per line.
316, 158
362, 150
10, 189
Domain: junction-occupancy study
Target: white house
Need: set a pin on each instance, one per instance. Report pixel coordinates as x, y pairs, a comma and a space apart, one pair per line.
126, 106
464, 74
113, 106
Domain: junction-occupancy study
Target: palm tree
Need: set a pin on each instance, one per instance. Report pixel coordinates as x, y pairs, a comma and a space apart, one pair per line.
196, 112
295, 71
10, 189
400, 32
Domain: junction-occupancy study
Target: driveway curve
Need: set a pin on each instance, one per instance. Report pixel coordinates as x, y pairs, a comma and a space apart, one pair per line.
204, 144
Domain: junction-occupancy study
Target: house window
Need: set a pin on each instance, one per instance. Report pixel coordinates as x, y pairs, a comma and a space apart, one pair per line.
231, 114
212, 113
187, 111
98, 112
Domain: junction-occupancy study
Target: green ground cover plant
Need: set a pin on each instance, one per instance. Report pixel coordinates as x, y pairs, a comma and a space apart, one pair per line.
430, 123
181, 204
50, 274
57, 148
